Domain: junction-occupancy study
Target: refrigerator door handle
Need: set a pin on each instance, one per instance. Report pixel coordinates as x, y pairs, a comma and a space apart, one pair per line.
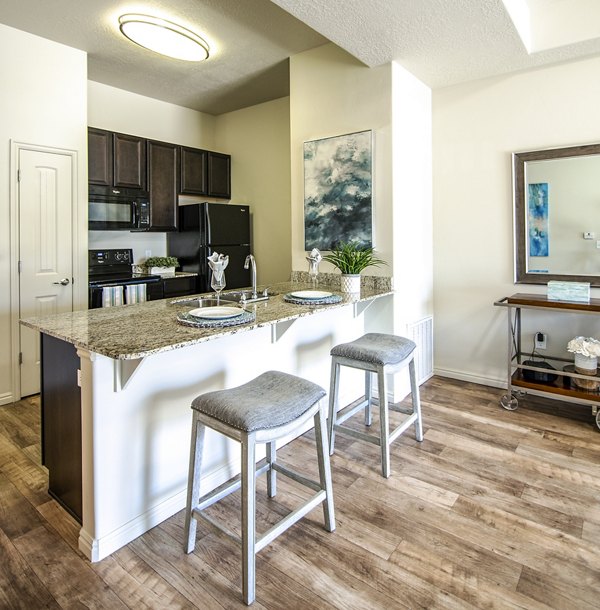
207, 234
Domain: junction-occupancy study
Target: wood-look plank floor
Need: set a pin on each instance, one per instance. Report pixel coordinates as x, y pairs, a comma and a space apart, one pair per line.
494, 509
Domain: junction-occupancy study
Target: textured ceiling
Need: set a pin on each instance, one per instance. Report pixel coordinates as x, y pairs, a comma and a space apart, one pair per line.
251, 41
442, 42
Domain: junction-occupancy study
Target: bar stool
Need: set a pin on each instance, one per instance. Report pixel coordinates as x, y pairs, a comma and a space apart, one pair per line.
381, 354
263, 410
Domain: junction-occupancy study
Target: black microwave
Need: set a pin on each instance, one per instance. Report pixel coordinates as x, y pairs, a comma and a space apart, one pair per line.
118, 209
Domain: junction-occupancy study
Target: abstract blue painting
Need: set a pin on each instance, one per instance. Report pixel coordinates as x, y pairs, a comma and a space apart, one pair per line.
338, 186
537, 212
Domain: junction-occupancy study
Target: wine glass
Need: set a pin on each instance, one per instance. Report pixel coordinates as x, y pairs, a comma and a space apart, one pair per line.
313, 270
217, 283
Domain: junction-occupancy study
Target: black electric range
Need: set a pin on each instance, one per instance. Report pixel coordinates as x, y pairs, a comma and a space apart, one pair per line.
112, 268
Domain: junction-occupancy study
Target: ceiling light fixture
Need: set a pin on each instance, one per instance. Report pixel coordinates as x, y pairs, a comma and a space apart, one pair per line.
164, 37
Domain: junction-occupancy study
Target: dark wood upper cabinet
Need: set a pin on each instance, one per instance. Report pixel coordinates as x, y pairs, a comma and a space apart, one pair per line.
219, 175
100, 157
194, 171
204, 172
163, 185
129, 161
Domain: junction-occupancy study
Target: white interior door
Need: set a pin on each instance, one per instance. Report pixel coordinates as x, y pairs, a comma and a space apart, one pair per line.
45, 249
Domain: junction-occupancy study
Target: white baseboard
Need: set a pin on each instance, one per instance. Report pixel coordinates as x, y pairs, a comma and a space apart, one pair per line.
6, 398
96, 549
469, 377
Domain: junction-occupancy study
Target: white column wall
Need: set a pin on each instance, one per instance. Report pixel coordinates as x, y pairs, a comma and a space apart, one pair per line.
43, 102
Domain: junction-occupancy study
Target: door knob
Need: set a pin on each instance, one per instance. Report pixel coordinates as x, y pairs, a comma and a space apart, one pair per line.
63, 282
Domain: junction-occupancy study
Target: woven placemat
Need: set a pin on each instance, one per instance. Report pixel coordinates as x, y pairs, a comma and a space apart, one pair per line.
334, 298
187, 320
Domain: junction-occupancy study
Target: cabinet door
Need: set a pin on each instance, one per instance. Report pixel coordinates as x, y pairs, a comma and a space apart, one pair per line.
194, 166
129, 161
162, 185
179, 286
219, 175
100, 157
61, 422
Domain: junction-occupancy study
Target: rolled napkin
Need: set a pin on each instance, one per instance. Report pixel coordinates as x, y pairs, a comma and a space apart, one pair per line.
314, 256
218, 262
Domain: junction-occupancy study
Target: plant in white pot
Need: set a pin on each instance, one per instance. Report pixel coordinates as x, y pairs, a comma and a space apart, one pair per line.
351, 259
586, 350
161, 265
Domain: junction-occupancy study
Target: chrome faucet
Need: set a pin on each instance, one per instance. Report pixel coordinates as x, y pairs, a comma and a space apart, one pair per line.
250, 261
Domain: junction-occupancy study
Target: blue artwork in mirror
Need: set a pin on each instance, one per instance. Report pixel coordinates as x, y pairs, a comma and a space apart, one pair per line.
338, 187
537, 207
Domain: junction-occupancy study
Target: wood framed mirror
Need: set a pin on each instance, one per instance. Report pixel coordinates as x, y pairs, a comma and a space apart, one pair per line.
557, 215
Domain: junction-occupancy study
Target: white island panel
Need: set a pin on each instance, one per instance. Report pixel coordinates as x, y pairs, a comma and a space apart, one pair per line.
135, 439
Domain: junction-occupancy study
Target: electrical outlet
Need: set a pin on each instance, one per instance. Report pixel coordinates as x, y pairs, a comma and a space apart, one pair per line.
148, 253
540, 340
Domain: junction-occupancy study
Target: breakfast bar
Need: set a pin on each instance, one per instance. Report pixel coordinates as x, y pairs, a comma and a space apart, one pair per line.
131, 373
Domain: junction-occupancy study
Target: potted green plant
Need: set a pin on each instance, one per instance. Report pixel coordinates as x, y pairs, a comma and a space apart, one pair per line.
161, 265
351, 258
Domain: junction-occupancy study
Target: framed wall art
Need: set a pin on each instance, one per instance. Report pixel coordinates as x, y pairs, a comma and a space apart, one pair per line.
338, 190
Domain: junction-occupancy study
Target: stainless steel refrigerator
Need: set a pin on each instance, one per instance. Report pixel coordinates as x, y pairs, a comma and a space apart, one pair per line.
208, 227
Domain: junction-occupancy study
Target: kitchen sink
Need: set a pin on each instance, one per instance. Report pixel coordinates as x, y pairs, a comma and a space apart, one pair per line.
206, 301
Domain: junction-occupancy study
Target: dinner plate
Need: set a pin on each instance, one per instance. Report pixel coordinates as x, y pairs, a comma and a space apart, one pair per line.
310, 294
216, 313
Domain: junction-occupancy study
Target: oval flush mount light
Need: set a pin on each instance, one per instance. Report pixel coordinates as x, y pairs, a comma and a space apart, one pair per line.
164, 37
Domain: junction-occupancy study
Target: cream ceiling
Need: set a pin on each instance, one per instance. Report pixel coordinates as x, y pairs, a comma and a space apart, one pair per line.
442, 42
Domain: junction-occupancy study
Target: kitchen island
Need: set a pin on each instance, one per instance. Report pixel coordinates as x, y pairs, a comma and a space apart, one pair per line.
132, 373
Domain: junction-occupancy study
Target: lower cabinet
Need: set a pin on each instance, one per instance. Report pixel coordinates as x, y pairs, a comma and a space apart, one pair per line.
61, 423
179, 286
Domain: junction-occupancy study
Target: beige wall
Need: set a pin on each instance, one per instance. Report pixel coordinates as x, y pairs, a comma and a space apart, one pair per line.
43, 102
118, 110
476, 127
258, 139
332, 93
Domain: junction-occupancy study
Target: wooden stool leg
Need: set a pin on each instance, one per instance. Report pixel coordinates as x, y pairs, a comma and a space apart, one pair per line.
248, 517
324, 468
196, 446
272, 473
384, 437
368, 398
416, 400
333, 398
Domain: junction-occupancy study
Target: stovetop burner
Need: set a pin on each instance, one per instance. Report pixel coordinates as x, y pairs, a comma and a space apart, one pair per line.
113, 267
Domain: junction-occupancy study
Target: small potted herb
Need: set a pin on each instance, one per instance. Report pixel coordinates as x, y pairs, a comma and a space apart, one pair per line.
161, 265
351, 258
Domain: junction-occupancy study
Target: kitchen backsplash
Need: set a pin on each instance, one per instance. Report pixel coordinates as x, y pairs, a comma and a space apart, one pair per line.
143, 244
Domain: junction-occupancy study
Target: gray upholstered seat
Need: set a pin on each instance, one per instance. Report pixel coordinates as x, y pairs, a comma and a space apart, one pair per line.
273, 406
376, 348
272, 399
383, 355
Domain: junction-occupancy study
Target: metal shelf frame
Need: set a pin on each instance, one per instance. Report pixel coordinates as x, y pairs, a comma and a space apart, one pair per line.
517, 386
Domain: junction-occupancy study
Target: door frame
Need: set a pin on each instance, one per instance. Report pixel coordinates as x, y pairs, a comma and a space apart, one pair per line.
79, 242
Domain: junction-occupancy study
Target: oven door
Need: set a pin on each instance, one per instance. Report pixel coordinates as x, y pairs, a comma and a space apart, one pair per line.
97, 296
115, 215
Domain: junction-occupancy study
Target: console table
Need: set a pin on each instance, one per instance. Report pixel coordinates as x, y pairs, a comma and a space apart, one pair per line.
562, 387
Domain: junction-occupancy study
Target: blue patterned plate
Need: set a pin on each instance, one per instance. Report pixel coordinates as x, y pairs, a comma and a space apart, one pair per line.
188, 320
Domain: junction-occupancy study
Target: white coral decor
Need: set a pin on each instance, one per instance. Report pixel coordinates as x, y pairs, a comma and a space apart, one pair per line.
586, 346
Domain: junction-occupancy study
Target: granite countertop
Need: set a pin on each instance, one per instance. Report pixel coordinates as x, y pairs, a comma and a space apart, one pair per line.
135, 331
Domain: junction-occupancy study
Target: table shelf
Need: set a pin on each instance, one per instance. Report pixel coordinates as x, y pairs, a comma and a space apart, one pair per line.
563, 388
